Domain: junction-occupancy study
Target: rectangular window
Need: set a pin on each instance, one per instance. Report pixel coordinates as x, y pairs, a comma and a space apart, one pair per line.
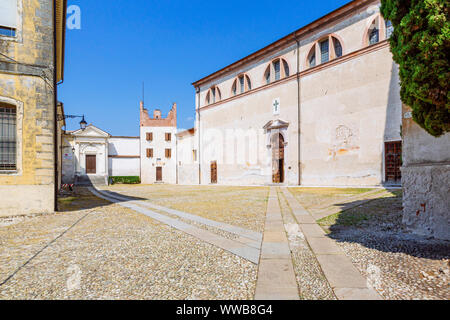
8, 18
149, 136
8, 138
168, 153
149, 153
276, 66
168, 137
324, 51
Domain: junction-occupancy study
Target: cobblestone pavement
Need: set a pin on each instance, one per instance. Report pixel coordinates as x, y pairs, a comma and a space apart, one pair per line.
240, 206
110, 252
399, 265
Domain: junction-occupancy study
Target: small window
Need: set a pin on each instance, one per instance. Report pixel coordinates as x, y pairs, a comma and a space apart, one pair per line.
7, 32
234, 88
149, 136
324, 51
208, 100
277, 70
389, 29
8, 138
168, 153
267, 75
149, 153
374, 36
337, 48
241, 84
249, 83
286, 69
312, 57
168, 137
213, 93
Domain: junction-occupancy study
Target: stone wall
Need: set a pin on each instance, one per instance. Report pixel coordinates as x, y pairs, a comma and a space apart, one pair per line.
26, 81
426, 180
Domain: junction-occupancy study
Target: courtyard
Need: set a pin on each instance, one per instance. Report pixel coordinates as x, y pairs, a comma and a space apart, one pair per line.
218, 242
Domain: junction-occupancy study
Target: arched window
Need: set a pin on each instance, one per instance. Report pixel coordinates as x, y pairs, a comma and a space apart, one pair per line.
389, 29
277, 70
213, 95
374, 32
327, 49
241, 84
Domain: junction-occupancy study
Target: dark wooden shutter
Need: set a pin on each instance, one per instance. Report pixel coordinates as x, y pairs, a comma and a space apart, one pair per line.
149, 153
168, 153
168, 137
150, 136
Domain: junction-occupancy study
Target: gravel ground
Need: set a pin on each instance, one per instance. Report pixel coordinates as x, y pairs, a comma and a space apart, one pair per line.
312, 198
111, 252
399, 265
311, 281
240, 206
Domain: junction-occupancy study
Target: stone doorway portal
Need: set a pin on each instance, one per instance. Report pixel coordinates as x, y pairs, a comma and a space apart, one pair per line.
277, 158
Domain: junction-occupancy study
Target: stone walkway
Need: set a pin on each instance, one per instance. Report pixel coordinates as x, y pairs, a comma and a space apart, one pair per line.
246, 246
345, 280
276, 277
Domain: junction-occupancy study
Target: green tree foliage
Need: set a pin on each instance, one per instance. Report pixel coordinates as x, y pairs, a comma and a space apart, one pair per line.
420, 45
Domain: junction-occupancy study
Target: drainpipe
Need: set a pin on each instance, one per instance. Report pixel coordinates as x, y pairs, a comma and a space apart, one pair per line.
298, 113
199, 154
55, 112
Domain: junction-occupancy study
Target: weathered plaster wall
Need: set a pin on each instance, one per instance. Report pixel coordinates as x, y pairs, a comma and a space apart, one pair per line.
28, 82
348, 111
426, 180
124, 158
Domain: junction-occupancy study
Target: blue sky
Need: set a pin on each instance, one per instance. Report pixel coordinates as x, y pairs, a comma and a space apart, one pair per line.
167, 44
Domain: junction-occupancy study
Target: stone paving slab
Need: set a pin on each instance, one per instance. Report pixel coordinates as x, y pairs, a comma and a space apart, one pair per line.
249, 253
340, 272
276, 276
356, 294
342, 275
323, 245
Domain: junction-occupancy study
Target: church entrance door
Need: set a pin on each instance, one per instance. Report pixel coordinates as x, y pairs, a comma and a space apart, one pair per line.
91, 164
277, 158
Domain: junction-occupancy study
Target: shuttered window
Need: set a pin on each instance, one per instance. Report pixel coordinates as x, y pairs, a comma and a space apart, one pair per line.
324, 51
149, 153
168, 137
8, 138
168, 153
149, 136
8, 18
276, 67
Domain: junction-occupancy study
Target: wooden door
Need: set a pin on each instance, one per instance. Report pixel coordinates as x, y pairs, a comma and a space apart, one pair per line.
393, 161
91, 164
214, 172
158, 174
277, 158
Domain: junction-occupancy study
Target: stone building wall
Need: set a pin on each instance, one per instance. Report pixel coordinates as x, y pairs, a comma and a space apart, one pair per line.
426, 180
26, 81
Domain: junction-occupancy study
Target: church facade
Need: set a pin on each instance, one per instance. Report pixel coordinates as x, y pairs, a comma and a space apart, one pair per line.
319, 107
